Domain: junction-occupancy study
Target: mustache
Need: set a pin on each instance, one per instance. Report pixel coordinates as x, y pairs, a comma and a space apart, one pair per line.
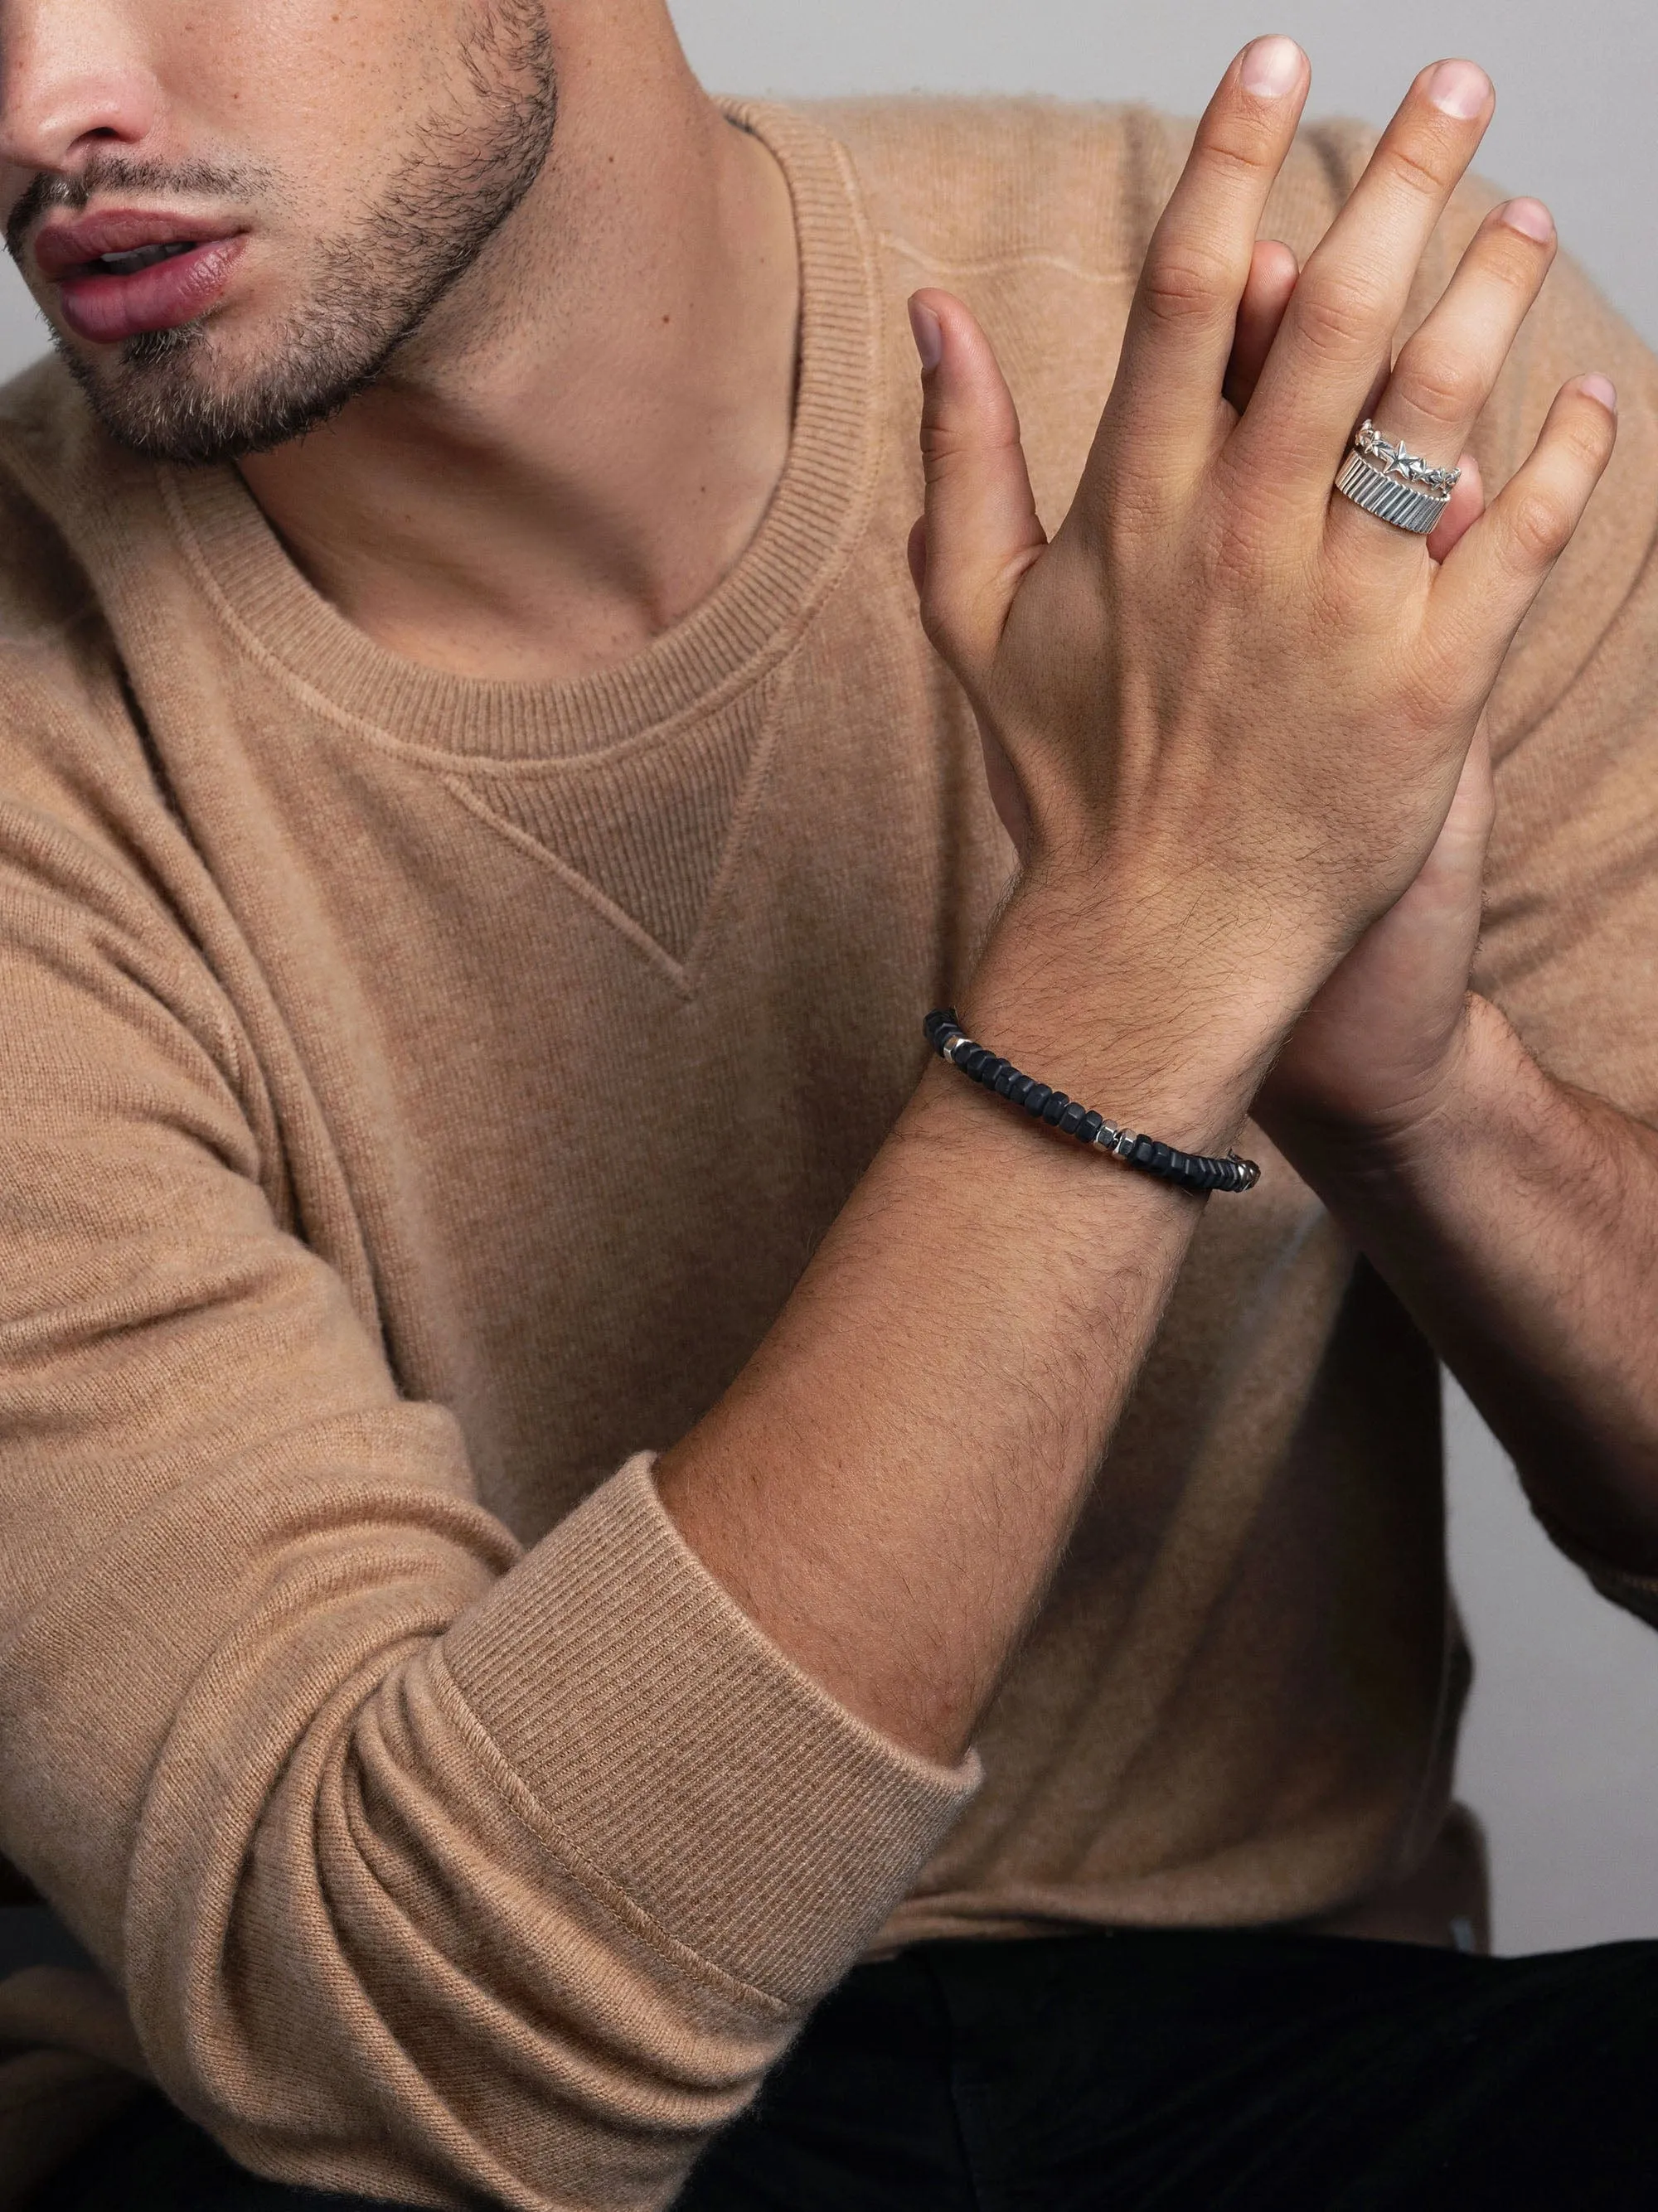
119, 173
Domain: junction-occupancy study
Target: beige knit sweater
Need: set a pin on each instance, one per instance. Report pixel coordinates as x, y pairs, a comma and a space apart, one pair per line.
417, 1096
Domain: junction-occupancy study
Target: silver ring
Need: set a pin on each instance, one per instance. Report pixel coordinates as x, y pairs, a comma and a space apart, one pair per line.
1395, 484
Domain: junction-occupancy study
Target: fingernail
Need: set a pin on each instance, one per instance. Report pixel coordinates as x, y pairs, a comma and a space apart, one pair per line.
1271, 67
1601, 388
929, 335
1459, 88
1531, 219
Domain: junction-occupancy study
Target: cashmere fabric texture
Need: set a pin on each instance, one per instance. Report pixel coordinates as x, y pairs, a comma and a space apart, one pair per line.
418, 1095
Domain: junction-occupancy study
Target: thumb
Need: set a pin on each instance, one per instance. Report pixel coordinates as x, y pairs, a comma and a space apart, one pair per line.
979, 534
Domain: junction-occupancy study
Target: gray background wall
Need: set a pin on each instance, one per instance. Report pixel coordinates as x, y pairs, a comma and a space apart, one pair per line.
1561, 1750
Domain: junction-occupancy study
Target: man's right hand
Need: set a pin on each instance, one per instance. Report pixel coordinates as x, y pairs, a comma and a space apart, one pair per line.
1226, 710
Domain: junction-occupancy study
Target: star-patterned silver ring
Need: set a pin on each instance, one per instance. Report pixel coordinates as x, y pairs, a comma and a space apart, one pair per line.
1395, 484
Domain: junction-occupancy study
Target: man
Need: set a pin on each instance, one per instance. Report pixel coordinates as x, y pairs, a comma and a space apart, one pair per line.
482, 828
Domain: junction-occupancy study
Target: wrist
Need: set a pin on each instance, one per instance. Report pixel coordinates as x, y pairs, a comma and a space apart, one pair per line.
1407, 1134
1104, 997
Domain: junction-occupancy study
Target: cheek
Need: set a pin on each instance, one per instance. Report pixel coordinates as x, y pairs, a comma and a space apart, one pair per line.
320, 92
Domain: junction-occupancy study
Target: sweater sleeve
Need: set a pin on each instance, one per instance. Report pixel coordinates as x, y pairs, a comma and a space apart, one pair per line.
1571, 912
428, 1870
1569, 947
1570, 944
1571, 919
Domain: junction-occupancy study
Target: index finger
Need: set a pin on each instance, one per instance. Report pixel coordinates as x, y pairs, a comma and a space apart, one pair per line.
1181, 327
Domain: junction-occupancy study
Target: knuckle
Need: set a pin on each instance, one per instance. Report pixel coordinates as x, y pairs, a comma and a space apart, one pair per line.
1413, 167
1516, 263
943, 446
963, 606
1589, 443
1243, 537
945, 620
1337, 317
1235, 151
1537, 526
951, 450
1184, 282
1427, 685
1345, 593
1439, 383
1419, 716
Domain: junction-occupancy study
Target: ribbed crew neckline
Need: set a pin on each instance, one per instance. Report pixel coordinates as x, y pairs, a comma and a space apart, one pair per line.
727, 641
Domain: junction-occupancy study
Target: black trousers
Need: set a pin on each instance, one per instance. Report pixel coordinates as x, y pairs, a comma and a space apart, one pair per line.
1157, 2072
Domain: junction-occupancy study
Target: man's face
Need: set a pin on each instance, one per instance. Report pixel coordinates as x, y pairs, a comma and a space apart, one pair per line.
235, 211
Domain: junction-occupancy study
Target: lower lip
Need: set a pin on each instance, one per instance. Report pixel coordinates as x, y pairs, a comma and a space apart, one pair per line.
105, 309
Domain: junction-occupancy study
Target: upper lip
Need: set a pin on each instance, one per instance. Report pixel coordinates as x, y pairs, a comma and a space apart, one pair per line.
61, 247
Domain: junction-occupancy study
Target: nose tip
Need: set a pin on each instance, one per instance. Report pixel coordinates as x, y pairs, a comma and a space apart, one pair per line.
68, 86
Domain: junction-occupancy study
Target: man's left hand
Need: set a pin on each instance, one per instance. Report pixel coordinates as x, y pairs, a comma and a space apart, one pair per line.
1478, 1185
1377, 1053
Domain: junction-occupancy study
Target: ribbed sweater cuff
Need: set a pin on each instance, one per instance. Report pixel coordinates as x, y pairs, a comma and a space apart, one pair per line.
686, 1759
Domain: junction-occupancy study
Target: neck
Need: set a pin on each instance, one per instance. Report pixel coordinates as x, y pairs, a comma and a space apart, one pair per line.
581, 441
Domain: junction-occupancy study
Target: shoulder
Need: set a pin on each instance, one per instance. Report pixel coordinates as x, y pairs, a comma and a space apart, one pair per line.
970, 181
68, 741
1037, 213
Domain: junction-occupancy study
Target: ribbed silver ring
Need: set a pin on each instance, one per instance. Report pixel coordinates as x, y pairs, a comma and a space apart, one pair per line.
1406, 505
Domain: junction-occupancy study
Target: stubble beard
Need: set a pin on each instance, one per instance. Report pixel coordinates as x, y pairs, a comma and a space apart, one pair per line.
168, 395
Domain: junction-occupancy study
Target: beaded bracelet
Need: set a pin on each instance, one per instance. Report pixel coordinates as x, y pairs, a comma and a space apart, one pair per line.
1198, 1171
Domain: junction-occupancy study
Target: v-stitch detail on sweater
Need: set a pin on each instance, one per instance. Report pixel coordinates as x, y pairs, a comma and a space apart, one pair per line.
646, 834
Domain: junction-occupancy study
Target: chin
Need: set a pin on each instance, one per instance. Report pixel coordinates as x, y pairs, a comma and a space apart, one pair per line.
200, 394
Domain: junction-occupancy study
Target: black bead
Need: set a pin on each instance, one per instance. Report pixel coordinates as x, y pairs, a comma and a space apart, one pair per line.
1194, 1171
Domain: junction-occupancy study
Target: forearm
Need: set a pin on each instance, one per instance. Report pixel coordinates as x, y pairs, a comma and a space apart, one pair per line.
1518, 1222
1162, 688
888, 1485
